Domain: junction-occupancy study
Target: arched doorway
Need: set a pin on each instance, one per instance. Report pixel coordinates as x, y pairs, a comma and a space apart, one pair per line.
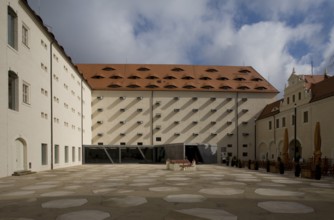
20, 155
292, 150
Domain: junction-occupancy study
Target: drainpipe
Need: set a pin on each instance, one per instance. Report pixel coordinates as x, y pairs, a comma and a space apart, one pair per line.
237, 122
51, 105
255, 144
295, 142
81, 118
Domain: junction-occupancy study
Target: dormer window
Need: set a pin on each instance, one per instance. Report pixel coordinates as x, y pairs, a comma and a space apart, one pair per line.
152, 77
222, 78
257, 79
239, 79
225, 87
205, 78
152, 86
244, 71
98, 76
143, 69
115, 77
177, 69
133, 86
114, 86
260, 88
170, 87
189, 87
108, 68
211, 70
243, 87
169, 77
187, 77
133, 77
207, 87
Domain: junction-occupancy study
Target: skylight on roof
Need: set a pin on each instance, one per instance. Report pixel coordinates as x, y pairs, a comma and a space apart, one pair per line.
108, 68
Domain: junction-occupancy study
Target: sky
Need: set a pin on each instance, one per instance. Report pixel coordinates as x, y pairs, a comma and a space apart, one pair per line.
272, 36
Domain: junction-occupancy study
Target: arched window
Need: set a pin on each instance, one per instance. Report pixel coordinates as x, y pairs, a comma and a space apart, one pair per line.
13, 91
12, 27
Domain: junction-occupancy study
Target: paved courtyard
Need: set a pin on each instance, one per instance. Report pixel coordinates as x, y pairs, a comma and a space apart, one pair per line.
137, 191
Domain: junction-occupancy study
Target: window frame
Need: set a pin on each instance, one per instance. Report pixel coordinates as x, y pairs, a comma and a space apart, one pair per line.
26, 93
25, 35
13, 91
12, 27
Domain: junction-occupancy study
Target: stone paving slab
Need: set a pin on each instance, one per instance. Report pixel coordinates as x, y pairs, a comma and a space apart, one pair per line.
138, 191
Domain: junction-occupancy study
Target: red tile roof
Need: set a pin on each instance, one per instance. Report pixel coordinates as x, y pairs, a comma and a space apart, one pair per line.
174, 78
323, 89
270, 110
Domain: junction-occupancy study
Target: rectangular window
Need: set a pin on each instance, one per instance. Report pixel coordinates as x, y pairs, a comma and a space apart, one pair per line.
244, 154
44, 151
270, 125
305, 117
56, 154
12, 91
299, 95
244, 145
293, 119
158, 139
288, 100
283, 122
25, 35
79, 153
293, 98
12, 27
66, 154
229, 145
26, 93
277, 123
73, 154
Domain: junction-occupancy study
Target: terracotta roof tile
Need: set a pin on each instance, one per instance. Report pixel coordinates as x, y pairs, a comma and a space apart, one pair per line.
323, 89
270, 110
174, 77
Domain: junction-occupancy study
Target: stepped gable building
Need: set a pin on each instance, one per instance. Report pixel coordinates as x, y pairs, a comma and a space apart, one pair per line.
308, 99
150, 105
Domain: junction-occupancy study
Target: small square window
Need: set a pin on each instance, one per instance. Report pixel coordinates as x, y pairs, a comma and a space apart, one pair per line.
158, 139
244, 154
140, 143
229, 145
122, 143
244, 145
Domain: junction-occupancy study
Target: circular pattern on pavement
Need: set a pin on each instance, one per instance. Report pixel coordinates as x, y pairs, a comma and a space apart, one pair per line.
184, 198
64, 203
128, 201
164, 189
285, 207
277, 192
214, 214
222, 191
84, 215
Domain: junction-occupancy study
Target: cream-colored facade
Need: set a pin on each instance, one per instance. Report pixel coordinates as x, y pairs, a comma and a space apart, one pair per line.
299, 103
48, 111
44, 100
221, 119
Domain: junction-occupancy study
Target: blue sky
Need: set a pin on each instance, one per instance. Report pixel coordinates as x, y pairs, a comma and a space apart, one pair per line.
272, 36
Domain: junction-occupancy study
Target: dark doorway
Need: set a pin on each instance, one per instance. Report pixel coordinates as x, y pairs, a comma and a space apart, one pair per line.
192, 153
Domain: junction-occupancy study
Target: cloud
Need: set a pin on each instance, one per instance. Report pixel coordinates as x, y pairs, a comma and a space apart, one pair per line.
272, 36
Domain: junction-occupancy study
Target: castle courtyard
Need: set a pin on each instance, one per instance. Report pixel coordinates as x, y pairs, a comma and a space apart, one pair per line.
144, 191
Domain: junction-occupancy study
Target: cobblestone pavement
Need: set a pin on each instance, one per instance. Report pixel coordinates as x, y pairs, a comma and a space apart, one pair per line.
138, 191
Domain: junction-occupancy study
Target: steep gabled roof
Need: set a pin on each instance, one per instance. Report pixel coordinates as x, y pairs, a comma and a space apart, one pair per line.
175, 77
323, 89
270, 110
